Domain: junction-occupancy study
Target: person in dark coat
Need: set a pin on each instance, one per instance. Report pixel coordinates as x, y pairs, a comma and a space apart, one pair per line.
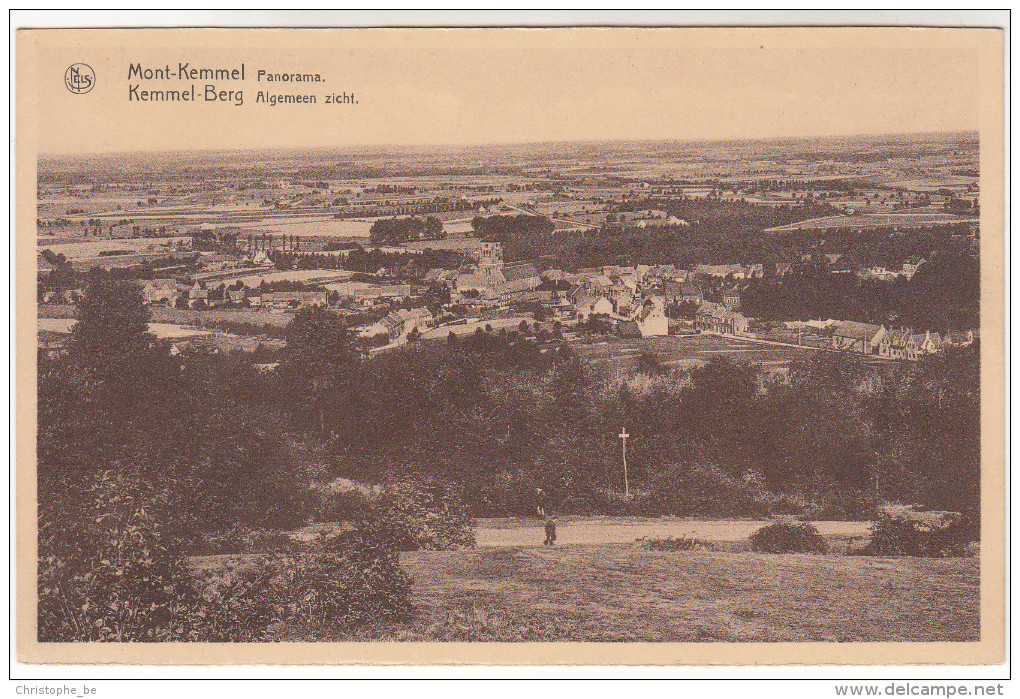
550, 531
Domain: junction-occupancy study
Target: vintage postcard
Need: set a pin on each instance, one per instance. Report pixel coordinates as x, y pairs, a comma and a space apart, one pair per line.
664, 346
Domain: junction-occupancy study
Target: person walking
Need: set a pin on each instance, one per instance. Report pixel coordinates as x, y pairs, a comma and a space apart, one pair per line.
541, 500
550, 531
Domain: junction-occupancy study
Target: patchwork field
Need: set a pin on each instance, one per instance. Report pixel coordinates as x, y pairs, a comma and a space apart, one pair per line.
875, 221
82, 249
621, 354
184, 316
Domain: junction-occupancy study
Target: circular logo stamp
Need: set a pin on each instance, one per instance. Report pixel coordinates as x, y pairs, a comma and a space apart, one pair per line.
79, 78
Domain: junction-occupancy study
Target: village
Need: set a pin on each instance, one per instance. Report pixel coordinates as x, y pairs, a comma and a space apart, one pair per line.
486, 294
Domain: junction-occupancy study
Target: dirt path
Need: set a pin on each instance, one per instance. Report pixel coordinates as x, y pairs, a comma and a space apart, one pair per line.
614, 531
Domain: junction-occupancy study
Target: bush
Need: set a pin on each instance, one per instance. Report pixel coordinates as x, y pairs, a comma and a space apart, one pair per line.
342, 500
789, 537
110, 572
682, 543
605, 501
502, 494
700, 490
412, 517
902, 535
844, 505
311, 596
242, 540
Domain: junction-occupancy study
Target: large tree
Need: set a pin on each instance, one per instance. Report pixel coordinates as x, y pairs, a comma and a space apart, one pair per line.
111, 317
316, 364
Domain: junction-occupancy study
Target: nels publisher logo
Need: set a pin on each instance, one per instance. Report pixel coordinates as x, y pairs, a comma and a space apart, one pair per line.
79, 78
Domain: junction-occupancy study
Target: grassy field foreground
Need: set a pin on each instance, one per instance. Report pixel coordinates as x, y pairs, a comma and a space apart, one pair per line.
622, 593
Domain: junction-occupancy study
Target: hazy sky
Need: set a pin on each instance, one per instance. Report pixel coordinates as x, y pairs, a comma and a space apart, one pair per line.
434, 94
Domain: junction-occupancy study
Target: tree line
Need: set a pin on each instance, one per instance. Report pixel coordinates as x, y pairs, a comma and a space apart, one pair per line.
391, 231
943, 295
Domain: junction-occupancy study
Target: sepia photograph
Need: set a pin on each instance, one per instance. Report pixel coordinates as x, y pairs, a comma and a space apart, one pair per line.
511, 346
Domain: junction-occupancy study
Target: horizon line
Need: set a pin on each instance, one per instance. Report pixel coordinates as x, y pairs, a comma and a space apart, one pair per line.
496, 144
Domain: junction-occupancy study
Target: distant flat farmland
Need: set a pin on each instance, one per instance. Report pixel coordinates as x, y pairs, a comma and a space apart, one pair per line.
933, 184
84, 249
612, 354
875, 221
188, 316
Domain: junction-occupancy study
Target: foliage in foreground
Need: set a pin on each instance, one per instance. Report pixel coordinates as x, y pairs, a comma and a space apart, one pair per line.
304, 596
902, 535
411, 517
114, 572
110, 572
789, 537
680, 543
408, 516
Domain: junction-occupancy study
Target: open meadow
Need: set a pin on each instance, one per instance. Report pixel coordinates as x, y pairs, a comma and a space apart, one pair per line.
188, 316
623, 593
613, 354
601, 583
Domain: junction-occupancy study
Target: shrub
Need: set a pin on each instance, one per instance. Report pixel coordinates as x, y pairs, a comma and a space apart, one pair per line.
342, 500
110, 572
502, 494
604, 501
243, 540
844, 505
902, 535
240, 474
789, 537
311, 596
413, 517
696, 489
681, 543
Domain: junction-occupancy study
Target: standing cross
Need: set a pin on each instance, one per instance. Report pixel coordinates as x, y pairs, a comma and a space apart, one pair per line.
626, 482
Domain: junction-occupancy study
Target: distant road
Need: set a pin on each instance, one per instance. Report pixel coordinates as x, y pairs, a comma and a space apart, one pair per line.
614, 531
525, 531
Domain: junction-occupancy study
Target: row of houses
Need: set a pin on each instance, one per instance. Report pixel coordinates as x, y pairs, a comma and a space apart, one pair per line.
623, 284
861, 338
171, 293
649, 319
894, 343
717, 318
907, 270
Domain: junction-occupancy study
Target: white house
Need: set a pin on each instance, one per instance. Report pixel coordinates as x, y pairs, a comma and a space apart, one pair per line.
652, 321
587, 306
160, 291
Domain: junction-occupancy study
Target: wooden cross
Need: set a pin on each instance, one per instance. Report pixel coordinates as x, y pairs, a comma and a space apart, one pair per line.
626, 482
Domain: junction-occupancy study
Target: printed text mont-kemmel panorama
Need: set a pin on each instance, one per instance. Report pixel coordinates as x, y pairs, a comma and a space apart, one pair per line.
204, 84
